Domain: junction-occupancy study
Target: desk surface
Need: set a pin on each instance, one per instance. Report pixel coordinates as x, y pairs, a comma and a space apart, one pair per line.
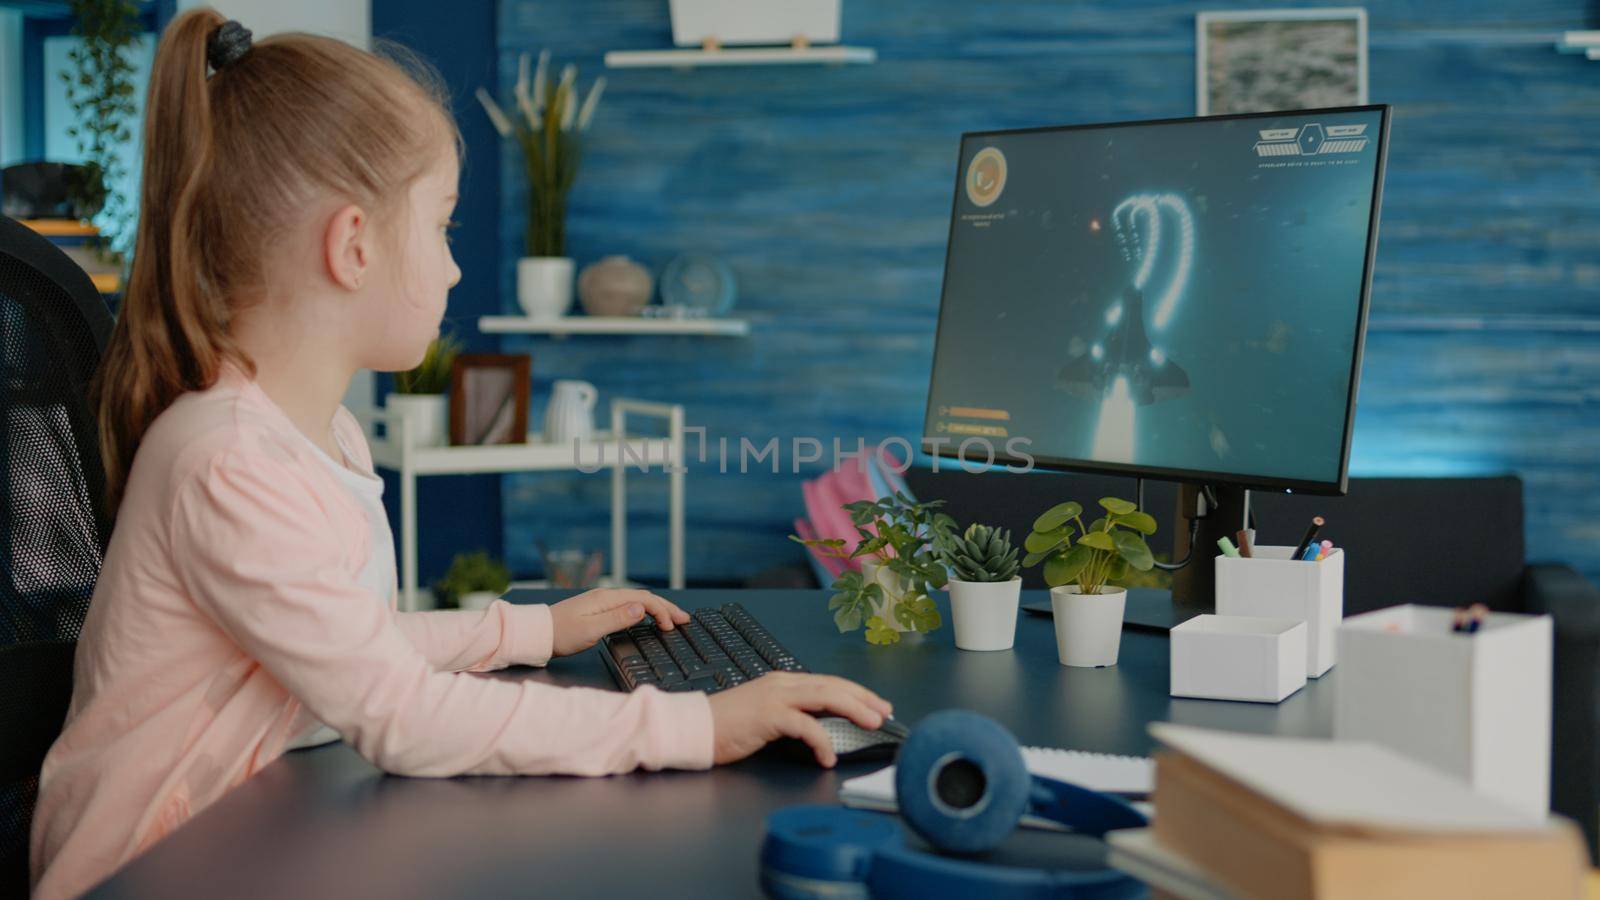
325, 823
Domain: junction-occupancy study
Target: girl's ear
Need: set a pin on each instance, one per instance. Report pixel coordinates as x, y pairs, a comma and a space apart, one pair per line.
346, 247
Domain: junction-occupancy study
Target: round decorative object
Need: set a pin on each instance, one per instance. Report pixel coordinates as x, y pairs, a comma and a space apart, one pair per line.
615, 286
700, 283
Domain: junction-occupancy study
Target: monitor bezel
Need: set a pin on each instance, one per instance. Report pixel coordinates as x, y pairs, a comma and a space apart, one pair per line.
1338, 487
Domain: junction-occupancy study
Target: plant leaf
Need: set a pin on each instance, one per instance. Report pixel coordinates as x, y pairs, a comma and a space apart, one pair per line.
1043, 541
1064, 568
1057, 516
879, 632
1132, 548
1099, 540
1033, 559
1141, 522
847, 618
1117, 507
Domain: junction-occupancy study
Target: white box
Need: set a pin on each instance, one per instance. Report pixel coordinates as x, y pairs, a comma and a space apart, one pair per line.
1475, 705
1238, 658
1271, 584
732, 22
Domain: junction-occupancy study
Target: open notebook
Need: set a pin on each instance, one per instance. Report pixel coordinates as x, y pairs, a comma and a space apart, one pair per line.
1130, 776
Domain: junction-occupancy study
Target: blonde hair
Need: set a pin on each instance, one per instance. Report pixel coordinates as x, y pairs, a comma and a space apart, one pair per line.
231, 160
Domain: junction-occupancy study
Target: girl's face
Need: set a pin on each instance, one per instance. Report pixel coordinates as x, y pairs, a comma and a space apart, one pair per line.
410, 290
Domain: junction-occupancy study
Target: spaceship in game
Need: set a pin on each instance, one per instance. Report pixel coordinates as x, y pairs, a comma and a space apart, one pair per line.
1125, 352
1123, 360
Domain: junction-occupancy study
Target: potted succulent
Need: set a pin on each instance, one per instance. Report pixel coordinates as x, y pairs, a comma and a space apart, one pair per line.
985, 588
548, 127
473, 581
898, 568
419, 394
1080, 565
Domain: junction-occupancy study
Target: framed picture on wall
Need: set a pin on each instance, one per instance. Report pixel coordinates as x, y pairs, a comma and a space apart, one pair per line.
489, 398
1267, 60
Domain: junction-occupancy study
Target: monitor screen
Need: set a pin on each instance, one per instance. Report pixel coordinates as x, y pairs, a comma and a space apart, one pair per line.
1182, 299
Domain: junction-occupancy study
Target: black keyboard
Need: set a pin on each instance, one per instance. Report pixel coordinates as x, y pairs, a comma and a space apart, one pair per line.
721, 647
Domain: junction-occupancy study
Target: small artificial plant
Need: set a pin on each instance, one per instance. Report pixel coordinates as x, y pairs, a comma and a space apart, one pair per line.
432, 375
470, 572
1097, 554
899, 536
104, 102
981, 553
548, 127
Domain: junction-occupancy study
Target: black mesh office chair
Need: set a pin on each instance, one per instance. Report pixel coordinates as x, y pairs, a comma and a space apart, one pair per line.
53, 328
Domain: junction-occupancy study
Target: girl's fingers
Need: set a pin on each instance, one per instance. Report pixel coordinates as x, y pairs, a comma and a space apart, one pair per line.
797, 724
831, 699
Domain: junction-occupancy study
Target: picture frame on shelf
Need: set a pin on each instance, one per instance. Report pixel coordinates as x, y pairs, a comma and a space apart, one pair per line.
1269, 60
489, 398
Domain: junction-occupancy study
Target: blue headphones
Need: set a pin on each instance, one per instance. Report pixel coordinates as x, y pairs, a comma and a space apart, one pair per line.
962, 786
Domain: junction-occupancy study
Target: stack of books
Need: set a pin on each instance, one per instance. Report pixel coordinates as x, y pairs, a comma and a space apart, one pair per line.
1245, 816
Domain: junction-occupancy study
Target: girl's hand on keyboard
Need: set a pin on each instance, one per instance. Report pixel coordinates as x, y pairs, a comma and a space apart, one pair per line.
580, 622
779, 705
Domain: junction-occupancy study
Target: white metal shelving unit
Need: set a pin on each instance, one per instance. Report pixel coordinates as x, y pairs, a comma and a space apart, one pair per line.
835, 54
615, 451
613, 325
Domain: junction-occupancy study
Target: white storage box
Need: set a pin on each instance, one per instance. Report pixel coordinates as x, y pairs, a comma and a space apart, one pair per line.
731, 22
1272, 585
1238, 658
1475, 705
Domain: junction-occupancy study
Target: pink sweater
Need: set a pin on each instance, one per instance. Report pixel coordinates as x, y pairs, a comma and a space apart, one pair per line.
228, 620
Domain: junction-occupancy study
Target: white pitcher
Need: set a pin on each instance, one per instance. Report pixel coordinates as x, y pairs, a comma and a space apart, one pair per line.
570, 416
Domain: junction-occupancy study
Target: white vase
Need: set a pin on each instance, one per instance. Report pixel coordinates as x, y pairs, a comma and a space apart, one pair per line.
895, 587
477, 599
427, 418
544, 286
985, 613
1088, 626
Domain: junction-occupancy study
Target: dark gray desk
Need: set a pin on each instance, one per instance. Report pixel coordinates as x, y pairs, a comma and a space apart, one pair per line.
325, 823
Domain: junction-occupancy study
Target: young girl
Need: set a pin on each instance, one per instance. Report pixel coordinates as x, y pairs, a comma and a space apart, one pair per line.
294, 206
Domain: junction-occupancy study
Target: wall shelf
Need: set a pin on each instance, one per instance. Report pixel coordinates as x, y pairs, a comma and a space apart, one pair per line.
613, 325
741, 56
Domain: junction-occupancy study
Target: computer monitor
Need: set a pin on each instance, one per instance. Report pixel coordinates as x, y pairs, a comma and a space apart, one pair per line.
1182, 299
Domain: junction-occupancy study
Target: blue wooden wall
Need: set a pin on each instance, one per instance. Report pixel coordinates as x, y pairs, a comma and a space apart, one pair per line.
828, 192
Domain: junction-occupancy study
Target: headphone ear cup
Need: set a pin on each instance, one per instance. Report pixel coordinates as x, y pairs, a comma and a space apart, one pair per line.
961, 782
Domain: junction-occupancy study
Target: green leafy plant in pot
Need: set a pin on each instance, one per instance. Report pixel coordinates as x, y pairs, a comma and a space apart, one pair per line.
473, 581
985, 588
898, 568
419, 395
1081, 564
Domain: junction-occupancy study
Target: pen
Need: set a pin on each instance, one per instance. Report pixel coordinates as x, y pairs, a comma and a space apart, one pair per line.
1244, 544
1227, 547
1311, 534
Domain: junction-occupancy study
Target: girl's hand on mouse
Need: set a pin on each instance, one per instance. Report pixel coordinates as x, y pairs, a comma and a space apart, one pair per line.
581, 621
779, 704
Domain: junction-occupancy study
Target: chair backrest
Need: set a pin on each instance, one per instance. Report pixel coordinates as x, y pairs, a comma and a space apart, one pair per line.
53, 531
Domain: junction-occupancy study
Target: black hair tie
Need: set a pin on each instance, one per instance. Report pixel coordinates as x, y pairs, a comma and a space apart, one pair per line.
229, 42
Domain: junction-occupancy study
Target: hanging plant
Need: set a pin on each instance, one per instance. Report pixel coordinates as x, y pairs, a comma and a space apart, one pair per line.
100, 92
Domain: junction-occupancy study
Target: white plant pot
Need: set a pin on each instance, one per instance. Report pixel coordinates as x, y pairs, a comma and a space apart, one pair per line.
544, 286
477, 599
894, 587
427, 417
1088, 626
985, 613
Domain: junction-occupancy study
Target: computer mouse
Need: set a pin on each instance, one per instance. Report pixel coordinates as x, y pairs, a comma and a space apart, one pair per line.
852, 742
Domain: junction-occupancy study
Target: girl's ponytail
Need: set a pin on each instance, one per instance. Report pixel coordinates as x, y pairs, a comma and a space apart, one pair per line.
171, 334
237, 149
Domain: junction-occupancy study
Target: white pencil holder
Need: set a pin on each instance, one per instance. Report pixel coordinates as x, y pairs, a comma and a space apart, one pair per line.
1474, 705
1271, 585
1238, 658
